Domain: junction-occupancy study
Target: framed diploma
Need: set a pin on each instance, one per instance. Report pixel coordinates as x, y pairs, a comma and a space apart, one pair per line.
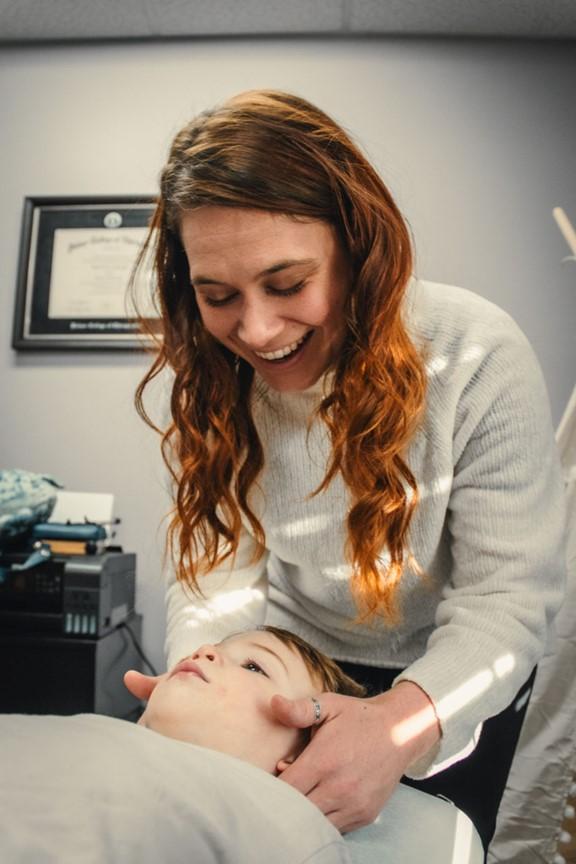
77, 256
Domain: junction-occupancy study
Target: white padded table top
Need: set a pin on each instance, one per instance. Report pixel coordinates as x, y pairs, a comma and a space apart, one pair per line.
416, 828
90, 789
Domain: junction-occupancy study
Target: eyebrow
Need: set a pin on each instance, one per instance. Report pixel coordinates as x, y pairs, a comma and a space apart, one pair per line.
270, 651
268, 271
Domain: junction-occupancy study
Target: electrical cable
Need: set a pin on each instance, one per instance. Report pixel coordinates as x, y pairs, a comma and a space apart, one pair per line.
137, 647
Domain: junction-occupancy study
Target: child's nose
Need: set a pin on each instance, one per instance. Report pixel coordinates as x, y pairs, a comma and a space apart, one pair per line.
207, 652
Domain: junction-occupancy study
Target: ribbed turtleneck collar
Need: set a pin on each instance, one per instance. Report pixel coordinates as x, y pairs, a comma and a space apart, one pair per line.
294, 400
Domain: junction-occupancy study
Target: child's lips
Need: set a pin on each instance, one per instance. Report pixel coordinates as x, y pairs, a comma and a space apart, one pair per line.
188, 667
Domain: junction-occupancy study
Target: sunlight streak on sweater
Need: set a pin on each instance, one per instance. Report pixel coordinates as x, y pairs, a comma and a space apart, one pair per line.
457, 700
225, 603
472, 689
303, 527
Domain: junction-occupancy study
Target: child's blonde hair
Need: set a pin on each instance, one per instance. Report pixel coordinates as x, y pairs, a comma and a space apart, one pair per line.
322, 668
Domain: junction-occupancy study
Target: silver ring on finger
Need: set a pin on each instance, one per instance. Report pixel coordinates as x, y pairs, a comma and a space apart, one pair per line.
317, 710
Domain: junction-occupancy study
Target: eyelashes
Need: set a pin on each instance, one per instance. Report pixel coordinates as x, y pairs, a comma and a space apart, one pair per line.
288, 292
276, 292
210, 301
253, 666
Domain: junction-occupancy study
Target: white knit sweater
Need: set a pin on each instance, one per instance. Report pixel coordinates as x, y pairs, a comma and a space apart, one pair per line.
488, 531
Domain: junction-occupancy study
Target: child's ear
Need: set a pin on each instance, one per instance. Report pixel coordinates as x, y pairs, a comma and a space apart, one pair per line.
303, 740
282, 764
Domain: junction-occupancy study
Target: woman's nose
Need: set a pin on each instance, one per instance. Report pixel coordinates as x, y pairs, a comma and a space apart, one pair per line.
259, 325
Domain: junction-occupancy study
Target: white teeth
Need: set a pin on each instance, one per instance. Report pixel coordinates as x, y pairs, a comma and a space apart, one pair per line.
281, 352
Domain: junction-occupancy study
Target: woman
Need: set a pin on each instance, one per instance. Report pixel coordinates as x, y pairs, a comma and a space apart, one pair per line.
358, 455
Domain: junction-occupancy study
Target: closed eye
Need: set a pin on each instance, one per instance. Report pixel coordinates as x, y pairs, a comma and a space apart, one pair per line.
212, 301
276, 292
287, 292
252, 666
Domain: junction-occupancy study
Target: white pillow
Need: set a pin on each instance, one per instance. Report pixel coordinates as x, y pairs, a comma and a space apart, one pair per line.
90, 789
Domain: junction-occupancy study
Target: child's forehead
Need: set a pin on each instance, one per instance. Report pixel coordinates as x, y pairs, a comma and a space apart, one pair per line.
254, 639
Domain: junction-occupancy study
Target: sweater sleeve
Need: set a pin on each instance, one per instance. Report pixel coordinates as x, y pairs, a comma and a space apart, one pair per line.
234, 598
506, 525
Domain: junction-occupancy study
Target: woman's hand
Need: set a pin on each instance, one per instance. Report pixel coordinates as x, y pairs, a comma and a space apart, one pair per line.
360, 749
141, 686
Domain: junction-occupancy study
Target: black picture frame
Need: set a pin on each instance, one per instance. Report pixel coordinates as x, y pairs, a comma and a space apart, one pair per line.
73, 273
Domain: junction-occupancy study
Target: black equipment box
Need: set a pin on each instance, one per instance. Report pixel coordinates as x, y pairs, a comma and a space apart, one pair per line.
80, 596
70, 675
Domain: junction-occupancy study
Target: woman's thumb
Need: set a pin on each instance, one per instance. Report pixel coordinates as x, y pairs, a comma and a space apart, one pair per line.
297, 713
140, 685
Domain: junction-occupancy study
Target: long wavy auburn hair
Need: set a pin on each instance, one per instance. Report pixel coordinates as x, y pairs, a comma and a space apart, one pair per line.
275, 151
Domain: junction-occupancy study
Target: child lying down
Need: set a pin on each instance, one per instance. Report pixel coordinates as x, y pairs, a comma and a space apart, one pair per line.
219, 697
90, 789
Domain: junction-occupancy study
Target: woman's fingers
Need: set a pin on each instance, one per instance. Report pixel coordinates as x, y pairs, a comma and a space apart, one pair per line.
353, 761
140, 685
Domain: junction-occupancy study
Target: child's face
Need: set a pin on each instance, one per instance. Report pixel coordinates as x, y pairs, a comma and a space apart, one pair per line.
219, 697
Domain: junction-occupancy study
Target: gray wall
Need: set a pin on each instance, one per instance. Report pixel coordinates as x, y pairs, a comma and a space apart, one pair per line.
475, 138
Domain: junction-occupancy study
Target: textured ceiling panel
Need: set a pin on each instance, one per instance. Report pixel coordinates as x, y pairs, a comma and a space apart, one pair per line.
23, 20
224, 17
72, 19
526, 18
47, 20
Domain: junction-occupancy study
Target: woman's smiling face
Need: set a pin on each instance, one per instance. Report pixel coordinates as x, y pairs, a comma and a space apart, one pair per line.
269, 287
219, 698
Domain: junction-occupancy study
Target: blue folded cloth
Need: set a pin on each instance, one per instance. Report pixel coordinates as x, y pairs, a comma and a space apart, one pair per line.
25, 499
